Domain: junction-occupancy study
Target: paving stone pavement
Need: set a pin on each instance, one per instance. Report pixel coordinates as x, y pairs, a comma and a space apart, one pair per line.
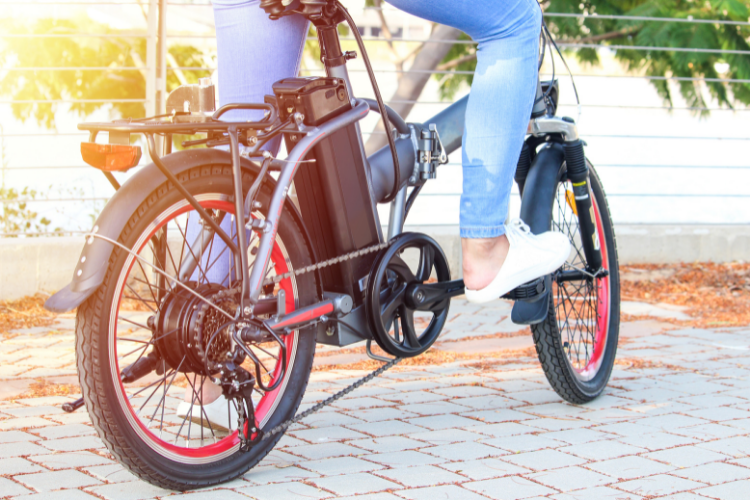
674, 423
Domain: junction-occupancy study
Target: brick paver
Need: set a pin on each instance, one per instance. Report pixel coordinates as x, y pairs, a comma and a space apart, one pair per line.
674, 423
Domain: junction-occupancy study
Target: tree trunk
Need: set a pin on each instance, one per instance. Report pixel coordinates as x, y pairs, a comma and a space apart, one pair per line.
412, 83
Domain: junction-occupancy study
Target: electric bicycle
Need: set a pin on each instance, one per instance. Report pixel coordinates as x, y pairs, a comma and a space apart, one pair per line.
201, 269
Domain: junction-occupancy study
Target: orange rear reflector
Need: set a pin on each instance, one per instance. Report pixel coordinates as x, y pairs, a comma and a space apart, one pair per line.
110, 157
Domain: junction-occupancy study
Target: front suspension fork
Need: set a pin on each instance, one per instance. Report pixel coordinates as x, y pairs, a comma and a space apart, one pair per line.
578, 173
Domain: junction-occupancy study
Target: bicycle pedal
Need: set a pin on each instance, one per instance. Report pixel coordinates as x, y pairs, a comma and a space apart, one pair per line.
528, 292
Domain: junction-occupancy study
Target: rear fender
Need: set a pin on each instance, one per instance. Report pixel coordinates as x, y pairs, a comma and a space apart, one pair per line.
539, 193
92, 265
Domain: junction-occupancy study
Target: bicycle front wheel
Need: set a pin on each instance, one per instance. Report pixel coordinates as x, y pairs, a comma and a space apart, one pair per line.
577, 341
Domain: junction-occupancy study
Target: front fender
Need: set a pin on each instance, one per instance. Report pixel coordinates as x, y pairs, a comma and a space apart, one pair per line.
539, 193
92, 266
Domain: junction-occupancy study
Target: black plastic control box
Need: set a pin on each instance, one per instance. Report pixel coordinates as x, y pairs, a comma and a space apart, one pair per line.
317, 98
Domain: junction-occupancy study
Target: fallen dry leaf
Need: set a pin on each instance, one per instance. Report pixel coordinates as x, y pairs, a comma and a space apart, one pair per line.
715, 294
42, 388
26, 312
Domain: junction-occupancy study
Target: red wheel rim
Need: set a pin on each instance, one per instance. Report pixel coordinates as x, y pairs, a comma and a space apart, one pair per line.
602, 302
594, 345
268, 402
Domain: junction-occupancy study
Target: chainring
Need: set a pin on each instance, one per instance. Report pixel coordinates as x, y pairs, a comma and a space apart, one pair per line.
393, 322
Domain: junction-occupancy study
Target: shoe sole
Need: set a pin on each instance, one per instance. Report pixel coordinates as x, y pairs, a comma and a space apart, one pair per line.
482, 296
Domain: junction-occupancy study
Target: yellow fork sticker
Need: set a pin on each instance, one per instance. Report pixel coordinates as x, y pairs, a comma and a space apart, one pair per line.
571, 199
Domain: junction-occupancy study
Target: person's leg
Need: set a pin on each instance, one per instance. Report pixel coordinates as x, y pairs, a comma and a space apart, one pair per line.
253, 53
502, 95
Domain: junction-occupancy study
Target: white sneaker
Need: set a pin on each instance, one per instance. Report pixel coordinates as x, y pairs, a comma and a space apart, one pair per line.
217, 413
529, 257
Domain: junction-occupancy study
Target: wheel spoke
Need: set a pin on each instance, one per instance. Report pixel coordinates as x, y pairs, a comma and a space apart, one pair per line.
161, 381
396, 332
197, 394
175, 267
139, 325
140, 299
190, 249
211, 264
148, 282
577, 302
151, 278
164, 398
255, 345
161, 289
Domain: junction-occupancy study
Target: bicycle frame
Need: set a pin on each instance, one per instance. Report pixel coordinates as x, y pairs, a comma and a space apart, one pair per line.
380, 174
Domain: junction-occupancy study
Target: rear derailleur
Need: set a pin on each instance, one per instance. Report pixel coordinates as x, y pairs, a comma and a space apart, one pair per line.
237, 385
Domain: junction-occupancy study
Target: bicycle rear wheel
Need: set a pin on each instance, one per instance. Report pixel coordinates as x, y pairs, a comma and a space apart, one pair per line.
138, 312
577, 341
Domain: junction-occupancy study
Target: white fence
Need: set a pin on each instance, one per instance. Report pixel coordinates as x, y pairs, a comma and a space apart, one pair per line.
659, 164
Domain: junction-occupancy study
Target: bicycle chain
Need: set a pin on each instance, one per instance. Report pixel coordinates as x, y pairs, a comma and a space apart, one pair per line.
276, 279
285, 425
325, 263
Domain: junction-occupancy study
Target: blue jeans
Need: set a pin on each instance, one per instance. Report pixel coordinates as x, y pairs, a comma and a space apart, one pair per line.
254, 52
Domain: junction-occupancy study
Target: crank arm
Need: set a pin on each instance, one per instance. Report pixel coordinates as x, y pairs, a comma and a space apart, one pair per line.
72, 406
131, 373
426, 296
139, 369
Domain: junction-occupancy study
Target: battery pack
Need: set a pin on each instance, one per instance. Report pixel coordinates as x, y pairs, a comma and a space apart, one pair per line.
334, 194
317, 98
338, 210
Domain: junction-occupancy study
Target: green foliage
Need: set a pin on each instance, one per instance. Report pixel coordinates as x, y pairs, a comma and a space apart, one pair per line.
66, 84
450, 83
593, 30
17, 217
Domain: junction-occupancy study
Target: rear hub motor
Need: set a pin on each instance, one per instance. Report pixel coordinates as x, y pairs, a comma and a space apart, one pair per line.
191, 334
400, 325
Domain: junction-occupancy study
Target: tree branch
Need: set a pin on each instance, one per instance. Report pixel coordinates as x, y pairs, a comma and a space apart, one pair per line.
410, 84
589, 39
630, 30
178, 72
456, 62
384, 25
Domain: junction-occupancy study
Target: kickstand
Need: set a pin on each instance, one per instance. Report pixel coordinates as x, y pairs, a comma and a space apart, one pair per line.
374, 356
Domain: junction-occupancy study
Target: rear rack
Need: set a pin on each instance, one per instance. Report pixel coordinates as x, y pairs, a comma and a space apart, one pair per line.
189, 123
250, 134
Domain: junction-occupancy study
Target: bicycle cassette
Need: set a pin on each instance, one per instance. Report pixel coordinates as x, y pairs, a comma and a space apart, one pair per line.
400, 326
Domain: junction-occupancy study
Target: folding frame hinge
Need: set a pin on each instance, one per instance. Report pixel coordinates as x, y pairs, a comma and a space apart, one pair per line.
430, 154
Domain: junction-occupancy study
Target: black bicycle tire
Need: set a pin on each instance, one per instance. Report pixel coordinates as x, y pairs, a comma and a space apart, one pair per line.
91, 328
547, 338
